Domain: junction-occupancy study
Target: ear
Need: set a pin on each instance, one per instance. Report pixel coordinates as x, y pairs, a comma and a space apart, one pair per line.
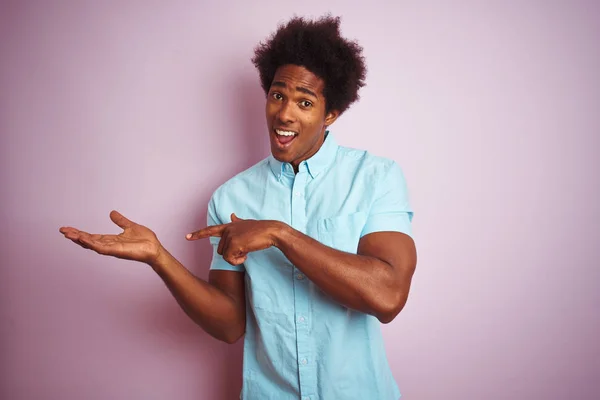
331, 116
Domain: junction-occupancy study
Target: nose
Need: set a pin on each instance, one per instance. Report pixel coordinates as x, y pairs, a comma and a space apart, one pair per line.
286, 112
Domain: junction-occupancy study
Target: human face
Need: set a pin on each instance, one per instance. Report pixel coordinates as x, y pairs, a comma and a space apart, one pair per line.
296, 114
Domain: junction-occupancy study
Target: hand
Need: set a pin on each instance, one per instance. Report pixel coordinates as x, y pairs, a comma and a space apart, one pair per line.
240, 237
136, 242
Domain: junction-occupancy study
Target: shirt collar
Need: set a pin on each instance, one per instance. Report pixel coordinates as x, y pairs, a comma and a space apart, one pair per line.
315, 165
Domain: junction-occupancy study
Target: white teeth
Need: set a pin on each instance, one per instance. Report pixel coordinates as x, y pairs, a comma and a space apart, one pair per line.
285, 133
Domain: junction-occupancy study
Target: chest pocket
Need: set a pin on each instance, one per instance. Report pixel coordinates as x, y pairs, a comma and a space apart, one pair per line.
342, 232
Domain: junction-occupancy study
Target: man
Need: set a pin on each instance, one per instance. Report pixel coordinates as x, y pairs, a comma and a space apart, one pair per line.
312, 246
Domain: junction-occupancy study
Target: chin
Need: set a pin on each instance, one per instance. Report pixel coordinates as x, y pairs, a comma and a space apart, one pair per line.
279, 154
281, 157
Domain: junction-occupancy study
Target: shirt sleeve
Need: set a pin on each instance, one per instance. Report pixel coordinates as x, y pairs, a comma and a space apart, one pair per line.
218, 262
391, 210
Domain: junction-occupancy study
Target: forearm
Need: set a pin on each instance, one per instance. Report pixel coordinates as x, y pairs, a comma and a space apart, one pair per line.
211, 308
358, 282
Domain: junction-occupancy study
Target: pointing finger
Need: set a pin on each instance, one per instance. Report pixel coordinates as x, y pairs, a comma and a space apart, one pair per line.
215, 230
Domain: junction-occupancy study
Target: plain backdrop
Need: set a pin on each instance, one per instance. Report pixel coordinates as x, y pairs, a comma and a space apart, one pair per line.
490, 107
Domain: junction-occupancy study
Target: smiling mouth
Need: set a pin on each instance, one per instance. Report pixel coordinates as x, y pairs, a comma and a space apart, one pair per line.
284, 138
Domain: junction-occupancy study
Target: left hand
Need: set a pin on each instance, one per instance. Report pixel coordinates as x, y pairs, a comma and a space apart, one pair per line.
240, 237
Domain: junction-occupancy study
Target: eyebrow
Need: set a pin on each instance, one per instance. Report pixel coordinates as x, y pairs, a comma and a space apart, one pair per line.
298, 88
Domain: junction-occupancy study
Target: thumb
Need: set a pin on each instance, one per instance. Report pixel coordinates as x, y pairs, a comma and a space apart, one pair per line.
120, 220
235, 218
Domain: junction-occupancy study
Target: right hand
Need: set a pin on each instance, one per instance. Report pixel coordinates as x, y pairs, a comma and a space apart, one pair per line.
136, 242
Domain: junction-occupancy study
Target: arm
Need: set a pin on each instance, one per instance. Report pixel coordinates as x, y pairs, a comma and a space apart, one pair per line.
218, 306
375, 281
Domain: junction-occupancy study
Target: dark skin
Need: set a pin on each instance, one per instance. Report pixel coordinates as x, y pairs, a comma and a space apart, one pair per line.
218, 305
376, 280
295, 103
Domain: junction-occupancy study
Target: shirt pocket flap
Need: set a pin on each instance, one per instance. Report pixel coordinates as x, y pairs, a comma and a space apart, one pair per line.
342, 232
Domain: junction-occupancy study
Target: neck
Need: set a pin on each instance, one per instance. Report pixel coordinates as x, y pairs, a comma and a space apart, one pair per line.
296, 164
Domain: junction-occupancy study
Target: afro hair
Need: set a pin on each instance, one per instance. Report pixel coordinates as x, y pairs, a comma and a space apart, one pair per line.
319, 47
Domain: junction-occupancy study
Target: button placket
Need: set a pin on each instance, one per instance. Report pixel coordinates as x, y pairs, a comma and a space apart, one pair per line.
301, 299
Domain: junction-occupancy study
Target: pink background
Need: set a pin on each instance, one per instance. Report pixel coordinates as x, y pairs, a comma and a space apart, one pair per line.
491, 108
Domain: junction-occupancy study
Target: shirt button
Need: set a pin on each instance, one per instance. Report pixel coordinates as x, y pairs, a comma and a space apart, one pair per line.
304, 361
298, 194
306, 398
299, 277
301, 319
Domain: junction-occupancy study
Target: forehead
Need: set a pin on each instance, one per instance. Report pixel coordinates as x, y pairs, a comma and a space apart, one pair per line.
297, 76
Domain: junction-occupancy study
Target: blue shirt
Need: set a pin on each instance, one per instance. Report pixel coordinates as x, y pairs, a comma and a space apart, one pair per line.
299, 343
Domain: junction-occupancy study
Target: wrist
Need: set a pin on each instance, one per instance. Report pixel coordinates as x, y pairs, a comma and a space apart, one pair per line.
279, 232
160, 259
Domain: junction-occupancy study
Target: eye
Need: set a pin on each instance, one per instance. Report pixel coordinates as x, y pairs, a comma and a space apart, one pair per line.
306, 104
276, 96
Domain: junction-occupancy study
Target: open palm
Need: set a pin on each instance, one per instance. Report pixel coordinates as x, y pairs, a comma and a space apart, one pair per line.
136, 242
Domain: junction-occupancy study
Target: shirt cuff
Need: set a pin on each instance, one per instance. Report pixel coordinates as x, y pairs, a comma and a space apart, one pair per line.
396, 222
